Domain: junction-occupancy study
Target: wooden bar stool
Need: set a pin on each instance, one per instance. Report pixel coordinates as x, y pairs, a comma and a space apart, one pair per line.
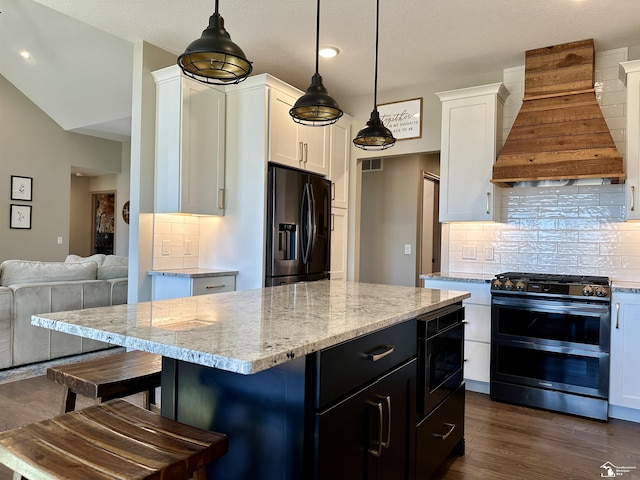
114, 376
110, 440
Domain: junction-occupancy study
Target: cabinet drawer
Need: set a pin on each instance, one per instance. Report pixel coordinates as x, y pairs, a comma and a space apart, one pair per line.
347, 366
478, 326
439, 433
208, 285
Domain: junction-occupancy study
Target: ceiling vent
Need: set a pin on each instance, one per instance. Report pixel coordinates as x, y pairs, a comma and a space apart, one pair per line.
560, 132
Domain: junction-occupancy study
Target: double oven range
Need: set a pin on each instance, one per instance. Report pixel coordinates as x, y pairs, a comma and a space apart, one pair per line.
550, 342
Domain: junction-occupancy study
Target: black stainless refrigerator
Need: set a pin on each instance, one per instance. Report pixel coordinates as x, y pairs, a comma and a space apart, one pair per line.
298, 226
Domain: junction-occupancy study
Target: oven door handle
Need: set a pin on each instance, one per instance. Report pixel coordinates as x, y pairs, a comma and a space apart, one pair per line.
379, 352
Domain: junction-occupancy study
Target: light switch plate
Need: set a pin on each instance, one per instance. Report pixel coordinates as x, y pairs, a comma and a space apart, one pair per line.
187, 247
488, 253
407, 249
166, 247
469, 252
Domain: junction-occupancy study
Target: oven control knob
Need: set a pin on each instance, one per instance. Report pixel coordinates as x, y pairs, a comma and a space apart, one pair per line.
587, 290
602, 292
521, 287
496, 285
508, 285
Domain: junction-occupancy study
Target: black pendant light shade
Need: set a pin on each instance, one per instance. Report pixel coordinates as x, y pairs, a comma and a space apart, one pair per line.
214, 58
375, 136
316, 108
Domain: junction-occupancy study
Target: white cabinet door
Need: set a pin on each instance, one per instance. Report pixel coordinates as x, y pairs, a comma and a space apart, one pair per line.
632, 156
339, 164
190, 145
338, 243
624, 386
292, 144
477, 361
471, 123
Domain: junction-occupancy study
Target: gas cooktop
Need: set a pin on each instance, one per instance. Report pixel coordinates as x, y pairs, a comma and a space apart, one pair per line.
552, 284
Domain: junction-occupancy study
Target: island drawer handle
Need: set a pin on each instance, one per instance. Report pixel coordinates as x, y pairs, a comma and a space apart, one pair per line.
376, 354
452, 427
215, 286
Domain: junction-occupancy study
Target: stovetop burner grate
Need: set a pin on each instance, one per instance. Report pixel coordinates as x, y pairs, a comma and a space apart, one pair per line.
553, 278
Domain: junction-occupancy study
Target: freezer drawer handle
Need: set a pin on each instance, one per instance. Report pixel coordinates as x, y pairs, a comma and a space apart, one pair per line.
215, 286
379, 352
452, 427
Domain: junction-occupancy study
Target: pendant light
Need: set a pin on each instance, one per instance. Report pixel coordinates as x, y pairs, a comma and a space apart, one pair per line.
214, 58
316, 108
375, 136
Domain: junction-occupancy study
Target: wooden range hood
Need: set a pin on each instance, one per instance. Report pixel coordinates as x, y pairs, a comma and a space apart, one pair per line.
560, 132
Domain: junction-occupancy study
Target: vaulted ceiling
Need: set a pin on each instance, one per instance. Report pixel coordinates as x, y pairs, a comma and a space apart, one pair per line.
80, 68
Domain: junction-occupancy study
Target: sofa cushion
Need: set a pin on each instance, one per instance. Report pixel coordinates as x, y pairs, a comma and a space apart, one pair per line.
98, 258
14, 272
111, 260
112, 271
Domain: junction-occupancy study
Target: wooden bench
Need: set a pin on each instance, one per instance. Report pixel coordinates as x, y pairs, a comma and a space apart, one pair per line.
114, 376
110, 440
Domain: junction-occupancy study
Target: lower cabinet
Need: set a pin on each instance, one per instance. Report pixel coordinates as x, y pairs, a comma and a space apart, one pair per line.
624, 387
368, 435
167, 286
440, 433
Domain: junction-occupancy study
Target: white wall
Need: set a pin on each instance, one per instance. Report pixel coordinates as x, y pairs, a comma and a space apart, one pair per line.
33, 145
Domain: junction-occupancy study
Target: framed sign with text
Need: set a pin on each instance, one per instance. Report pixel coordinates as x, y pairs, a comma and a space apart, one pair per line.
404, 118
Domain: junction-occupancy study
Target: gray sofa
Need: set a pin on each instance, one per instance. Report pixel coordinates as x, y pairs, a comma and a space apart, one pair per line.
31, 287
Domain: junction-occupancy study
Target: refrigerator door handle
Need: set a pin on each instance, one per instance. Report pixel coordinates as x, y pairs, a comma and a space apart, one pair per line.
314, 224
305, 223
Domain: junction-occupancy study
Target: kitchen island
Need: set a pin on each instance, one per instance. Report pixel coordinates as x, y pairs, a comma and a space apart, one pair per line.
266, 365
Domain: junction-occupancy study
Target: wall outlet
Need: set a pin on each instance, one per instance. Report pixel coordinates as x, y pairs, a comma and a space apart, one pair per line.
187, 247
166, 247
407, 249
488, 253
59, 240
469, 252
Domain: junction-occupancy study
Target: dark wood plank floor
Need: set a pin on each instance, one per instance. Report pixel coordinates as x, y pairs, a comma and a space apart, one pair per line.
503, 442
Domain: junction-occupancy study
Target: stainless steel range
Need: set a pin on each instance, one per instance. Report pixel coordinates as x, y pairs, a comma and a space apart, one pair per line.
550, 342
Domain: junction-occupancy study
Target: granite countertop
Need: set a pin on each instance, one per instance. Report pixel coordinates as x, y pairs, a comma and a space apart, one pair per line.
625, 286
193, 272
252, 330
459, 277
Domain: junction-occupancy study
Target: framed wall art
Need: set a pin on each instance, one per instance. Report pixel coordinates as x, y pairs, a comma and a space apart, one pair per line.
21, 188
404, 118
20, 216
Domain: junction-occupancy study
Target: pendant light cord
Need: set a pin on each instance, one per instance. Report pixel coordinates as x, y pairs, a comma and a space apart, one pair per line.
317, 36
216, 7
375, 81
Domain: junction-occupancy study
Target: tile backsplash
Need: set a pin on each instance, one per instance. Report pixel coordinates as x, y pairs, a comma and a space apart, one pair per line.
557, 229
176, 241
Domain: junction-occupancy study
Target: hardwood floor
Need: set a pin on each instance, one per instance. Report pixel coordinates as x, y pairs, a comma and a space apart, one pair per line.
503, 442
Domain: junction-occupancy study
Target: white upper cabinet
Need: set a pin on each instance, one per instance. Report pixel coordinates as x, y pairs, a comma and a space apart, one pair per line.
630, 71
471, 122
340, 146
190, 145
293, 144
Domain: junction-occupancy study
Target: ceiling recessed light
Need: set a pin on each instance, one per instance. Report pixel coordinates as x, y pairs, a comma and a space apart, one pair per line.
328, 52
26, 55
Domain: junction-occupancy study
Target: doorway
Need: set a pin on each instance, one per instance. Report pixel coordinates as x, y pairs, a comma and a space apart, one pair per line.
430, 229
103, 238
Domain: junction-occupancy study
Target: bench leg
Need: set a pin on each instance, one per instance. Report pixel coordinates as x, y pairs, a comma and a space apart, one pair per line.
200, 474
68, 401
149, 398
